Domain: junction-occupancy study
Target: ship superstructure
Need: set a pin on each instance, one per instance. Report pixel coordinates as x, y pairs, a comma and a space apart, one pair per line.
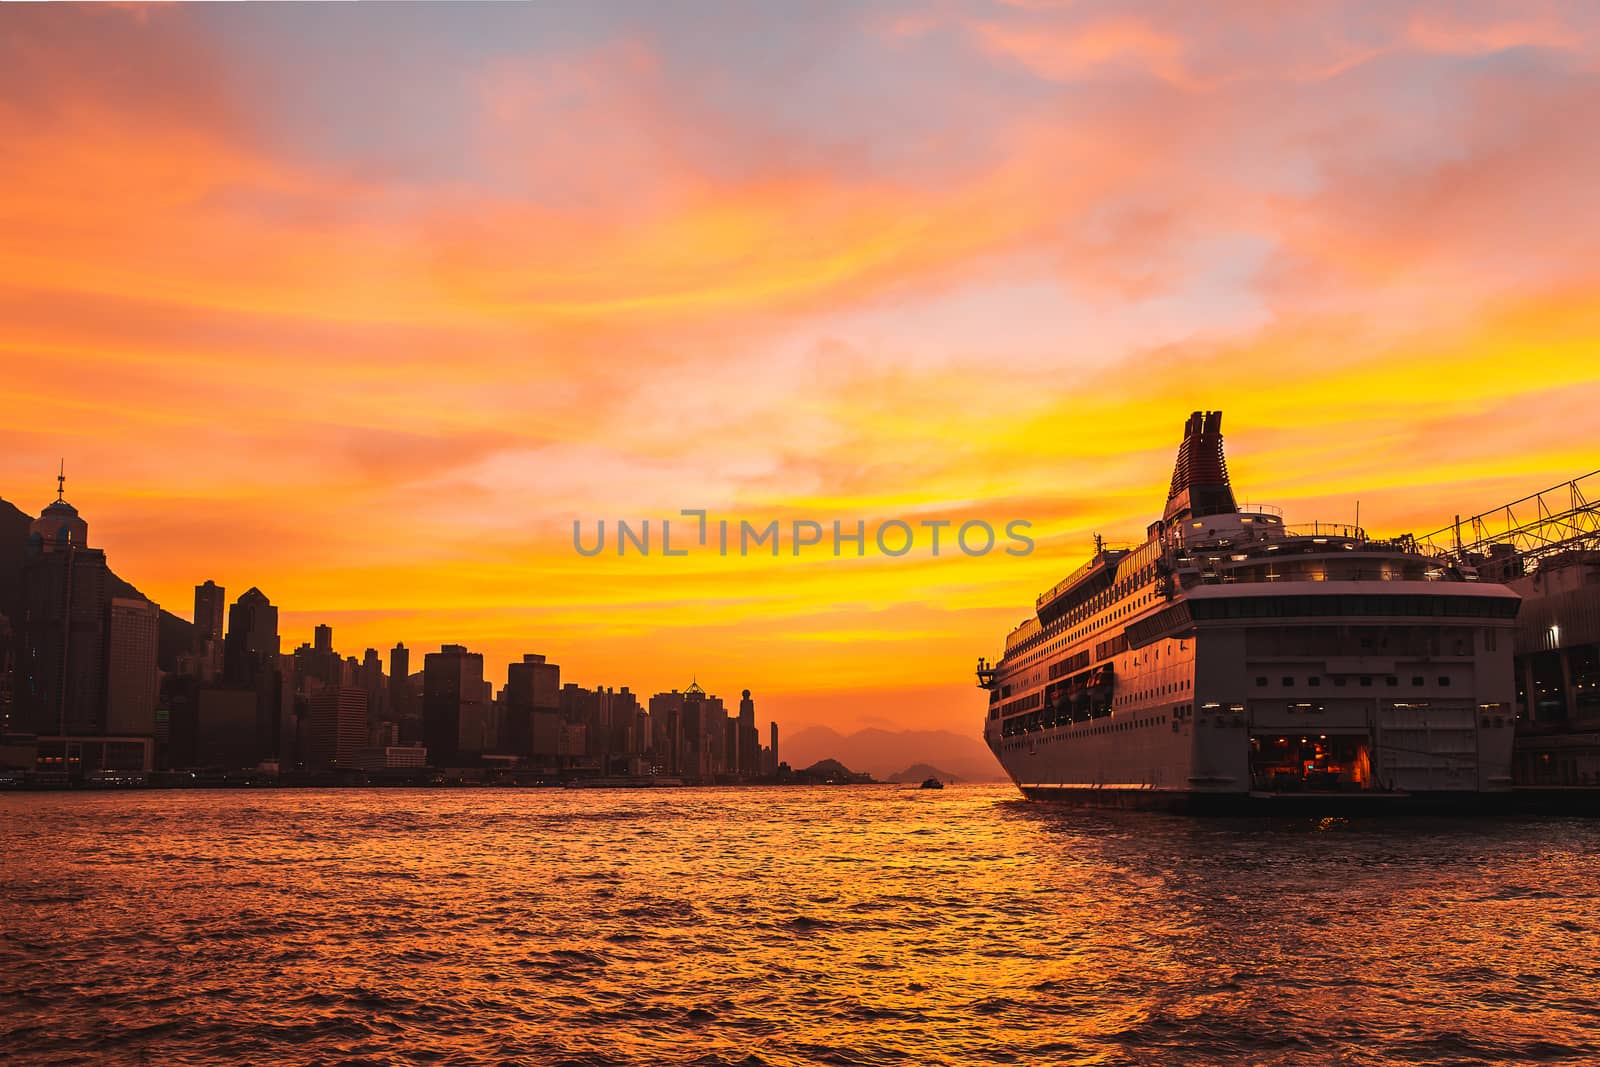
1232, 656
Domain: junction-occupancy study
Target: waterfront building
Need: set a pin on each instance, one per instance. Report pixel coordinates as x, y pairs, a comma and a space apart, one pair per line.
531, 705
1557, 648
452, 704
336, 726
391, 758
225, 731
132, 679
60, 671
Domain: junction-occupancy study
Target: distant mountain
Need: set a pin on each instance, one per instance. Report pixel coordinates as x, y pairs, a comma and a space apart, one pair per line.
883, 753
921, 772
174, 636
829, 770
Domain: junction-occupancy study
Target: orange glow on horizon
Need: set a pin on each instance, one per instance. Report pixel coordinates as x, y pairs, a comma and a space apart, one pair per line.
370, 335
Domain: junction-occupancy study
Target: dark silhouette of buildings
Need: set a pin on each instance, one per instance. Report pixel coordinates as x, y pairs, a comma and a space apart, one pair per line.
94, 679
337, 728
65, 597
132, 680
749, 761
250, 662
210, 602
531, 706
402, 708
251, 648
453, 707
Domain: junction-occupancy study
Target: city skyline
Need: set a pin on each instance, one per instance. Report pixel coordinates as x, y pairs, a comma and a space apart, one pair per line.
96, 686
371, 335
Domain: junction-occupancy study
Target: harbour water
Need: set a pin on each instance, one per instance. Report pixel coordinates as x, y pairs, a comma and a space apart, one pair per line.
872, 925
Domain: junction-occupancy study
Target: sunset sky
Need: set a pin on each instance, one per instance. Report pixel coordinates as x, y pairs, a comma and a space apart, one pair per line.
364, 305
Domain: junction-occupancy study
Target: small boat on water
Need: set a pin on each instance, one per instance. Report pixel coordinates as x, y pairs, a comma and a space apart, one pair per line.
932, 783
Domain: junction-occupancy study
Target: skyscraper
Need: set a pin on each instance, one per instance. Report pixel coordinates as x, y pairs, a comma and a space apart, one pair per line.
402, 703
322, 641
532, 700
251, 647
372, 681
65, 595
452, 692
337, 729
749, 737
250, 662
132, 681
209, 601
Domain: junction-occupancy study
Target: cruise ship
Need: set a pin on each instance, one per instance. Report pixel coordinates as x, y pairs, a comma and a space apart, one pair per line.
1232, 659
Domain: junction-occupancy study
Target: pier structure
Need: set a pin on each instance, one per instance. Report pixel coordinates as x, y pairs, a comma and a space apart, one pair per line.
1546, 548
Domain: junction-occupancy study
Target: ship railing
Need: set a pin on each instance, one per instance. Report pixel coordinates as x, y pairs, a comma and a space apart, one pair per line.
1341, 530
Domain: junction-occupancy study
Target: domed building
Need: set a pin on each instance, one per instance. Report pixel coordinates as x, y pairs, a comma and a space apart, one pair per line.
66, 591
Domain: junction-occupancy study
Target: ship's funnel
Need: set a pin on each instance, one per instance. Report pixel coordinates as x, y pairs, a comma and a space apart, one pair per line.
1200, 477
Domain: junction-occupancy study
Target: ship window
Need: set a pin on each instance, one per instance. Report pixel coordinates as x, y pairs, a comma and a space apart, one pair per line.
1341, 682
1391, 680
1314, 680
1260, 681
1287, 680
1416, 679
1366, 680
1444, 679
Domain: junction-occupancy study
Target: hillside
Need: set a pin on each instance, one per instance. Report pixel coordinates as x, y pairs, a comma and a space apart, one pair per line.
884, 753
174, 635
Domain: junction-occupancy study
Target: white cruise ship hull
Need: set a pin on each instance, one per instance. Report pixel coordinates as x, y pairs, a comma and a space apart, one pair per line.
1232, 660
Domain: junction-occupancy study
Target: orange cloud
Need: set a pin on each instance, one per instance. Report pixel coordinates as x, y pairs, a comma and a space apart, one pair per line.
383, 392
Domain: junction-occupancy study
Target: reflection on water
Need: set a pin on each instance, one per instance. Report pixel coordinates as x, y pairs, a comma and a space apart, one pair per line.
850, 926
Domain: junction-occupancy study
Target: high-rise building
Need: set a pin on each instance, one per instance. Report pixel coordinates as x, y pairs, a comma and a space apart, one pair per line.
613, 732
749, 738
531, 704
774, 756
65, 596
205, 658
250, 649
399, 679
210, 600
250, 661
372, 681
666, 731
452, 691
337, 727
322, 639
132, 680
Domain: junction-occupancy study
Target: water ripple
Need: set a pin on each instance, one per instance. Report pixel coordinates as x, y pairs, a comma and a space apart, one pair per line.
776, 927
